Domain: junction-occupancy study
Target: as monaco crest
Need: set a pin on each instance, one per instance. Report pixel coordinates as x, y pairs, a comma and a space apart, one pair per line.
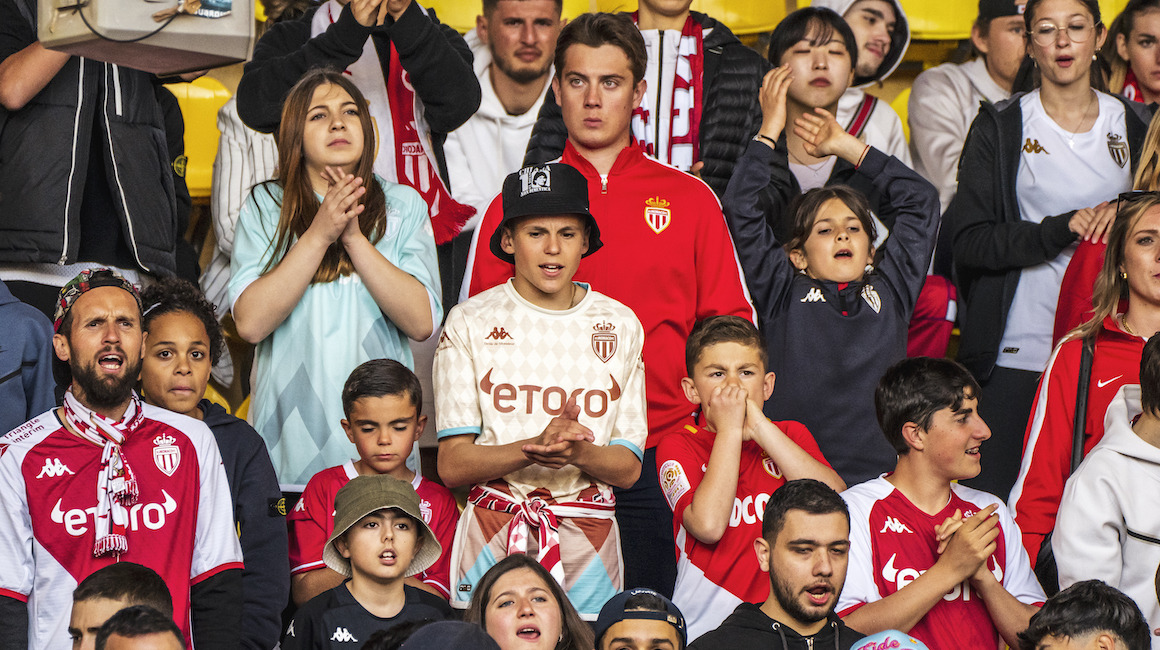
166, 455
657, 214
604, 341
1118, 149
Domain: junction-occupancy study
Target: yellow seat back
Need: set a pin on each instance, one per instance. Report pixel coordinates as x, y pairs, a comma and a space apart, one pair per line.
900, 106
200, 101
740, 16
940, 21
214, 396
460, 14
243, 411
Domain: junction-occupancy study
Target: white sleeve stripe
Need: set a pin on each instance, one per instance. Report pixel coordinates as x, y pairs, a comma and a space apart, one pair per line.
1037, 419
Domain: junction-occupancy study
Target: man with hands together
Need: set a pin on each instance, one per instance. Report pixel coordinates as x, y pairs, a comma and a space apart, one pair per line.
928, 556
539, 387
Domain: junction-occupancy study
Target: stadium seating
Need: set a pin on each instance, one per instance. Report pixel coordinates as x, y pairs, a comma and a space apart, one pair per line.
200, 101
742, 16
460, 14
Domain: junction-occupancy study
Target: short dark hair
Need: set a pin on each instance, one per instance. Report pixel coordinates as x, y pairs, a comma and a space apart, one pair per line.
805, 208
379, 377
1150, 376
135, 621
172, 295
1084, 608
128, 582
723, 329
914, 389
822, 22
805, 494
598, 29
490, 5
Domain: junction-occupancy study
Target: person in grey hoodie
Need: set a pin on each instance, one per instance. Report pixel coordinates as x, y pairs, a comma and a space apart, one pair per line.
1107, 528
26, 385
804, 546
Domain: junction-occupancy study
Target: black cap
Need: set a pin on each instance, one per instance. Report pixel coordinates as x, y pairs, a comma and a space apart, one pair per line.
989, 9
614, 612
546, 190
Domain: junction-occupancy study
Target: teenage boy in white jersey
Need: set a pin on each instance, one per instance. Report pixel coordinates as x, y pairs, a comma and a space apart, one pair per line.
928, 556
544, 354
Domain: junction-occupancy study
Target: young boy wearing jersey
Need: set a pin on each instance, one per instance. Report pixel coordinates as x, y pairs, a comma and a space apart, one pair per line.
929, 556
106, 478
382, 400
379, 541
718, 477
539, 388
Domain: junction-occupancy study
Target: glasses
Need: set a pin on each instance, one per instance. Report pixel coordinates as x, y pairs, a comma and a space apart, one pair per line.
1045, 34
1127, 199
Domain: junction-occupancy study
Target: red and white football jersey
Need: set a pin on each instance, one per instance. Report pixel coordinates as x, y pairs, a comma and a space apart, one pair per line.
892, 542
312, 521
182, 525
713, 579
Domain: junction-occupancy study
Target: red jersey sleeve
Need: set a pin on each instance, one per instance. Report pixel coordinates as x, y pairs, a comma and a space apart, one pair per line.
444, 520
801, 436
720, 282
485, 270
310, 523
681, 468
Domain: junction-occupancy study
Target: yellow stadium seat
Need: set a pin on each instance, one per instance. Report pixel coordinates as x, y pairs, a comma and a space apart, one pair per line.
741, 16
200, 101
460, 14
214, 396
1109, 9
940, 21
259, 11
243, 411
900, 106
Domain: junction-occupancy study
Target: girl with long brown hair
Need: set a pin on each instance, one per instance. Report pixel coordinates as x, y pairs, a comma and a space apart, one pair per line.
332, 266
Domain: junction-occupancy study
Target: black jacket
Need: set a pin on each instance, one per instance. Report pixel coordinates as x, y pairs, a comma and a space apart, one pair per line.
749, 627
45, 153
260, 515
436, 57
829, 345
731, 113
991, 241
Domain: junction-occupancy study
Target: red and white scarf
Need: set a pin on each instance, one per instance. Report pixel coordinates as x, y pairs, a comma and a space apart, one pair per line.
685, 108
1131, 89
543, 516
116, 482
403, 154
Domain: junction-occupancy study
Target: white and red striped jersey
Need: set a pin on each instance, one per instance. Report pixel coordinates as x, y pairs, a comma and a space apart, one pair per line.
892, 542
182, 525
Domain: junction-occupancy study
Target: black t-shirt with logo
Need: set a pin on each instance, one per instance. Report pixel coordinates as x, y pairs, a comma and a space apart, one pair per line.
334, 619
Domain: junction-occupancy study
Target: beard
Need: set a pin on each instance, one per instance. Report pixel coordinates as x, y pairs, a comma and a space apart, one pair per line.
103, 392
520, 75
789, 597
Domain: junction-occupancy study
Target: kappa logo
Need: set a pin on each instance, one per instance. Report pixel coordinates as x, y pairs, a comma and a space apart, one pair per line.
54, 468
1033, 146
166, 455
604, 341
149, 515
290, 630
815, 295
425, 510
497, 334
300, 506
893, 525
657, 214
343, 635
535, 179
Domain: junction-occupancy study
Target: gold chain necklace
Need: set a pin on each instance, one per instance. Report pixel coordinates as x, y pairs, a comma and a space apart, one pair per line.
1127, 328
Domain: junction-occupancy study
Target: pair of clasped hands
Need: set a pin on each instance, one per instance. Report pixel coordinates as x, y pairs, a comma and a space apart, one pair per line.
561, 441
370, 13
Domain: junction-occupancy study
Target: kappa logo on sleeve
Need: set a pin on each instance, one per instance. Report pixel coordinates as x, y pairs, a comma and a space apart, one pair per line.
342, 635
54, 468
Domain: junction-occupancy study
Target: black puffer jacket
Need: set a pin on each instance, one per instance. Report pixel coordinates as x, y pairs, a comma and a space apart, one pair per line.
730, 114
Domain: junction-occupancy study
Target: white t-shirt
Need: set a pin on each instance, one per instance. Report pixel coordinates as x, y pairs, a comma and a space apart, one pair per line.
1059, 171
811, 177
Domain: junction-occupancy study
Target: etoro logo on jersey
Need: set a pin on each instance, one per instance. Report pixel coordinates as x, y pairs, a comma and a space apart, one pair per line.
506, 398
148, 515
902, 577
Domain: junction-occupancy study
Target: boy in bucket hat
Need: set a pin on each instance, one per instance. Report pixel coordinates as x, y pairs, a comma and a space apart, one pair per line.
379, 539
539, 388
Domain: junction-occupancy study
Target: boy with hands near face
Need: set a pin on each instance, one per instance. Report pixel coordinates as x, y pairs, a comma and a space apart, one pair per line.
539, 389
718, 477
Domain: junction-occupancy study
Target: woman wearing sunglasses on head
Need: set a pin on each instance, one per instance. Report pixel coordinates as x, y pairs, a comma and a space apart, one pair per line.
1027, 165
1127, 311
